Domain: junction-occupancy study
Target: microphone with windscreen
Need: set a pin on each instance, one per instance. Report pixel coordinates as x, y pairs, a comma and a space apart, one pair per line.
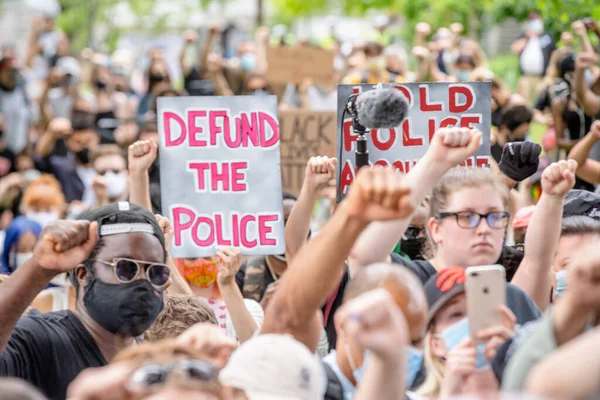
374, 109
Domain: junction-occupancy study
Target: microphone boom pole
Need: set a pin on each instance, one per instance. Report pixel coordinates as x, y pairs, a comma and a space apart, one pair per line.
362, 153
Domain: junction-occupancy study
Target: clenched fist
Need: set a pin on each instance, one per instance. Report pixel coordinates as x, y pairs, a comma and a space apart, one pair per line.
452, 146
319, 171
64, 245
520, 160
379, 194
141, 155
559, 178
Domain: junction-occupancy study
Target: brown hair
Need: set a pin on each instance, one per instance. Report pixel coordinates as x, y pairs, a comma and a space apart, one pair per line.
155, 352
180, 313
579, 225
106, 150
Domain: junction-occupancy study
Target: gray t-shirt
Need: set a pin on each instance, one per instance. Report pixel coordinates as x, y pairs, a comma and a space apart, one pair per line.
16, 111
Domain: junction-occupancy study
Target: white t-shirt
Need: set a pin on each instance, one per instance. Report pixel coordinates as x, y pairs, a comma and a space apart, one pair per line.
532, 57
224, 319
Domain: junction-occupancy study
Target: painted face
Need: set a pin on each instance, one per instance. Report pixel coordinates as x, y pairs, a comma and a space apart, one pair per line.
200, 272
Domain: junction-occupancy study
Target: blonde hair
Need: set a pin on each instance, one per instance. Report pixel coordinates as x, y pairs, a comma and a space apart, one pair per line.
435, 369
471, 47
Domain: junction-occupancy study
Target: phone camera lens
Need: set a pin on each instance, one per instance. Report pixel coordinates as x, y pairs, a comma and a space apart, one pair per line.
486, 290
475, 274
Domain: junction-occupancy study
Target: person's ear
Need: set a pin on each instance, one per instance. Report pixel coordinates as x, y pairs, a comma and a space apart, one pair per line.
434, 230
437, 346
81, 275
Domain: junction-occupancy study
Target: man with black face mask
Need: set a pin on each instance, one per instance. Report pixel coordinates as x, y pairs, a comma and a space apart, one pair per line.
116, 256
73, 169
14, 105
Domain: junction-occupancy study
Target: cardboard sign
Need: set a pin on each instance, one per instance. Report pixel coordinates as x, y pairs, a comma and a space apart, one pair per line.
219, 174
295, 64
304, 134
431, 106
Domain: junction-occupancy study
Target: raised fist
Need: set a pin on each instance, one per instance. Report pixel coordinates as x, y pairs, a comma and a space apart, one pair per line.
423, 28
456, 28
585, 60
141, 155
379, 194
319, 171
520, 160
64, 245
559, 178
579, 28
100, 187
231, 261
190, 36
452, 146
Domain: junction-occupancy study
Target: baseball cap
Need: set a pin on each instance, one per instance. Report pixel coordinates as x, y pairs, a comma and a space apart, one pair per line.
582, 202
124, 217
523, 216
275, 367
443, 287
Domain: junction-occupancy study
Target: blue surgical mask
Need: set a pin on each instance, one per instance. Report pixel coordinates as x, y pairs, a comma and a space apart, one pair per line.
260, 92
458, 332
414, 361
463, 75
561, 282
536, 26
248, 62
589, 77
357, 372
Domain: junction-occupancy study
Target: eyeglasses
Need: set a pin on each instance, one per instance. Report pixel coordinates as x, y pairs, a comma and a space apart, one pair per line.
470, 219
114, 171
413, 232
126, 271
153, 375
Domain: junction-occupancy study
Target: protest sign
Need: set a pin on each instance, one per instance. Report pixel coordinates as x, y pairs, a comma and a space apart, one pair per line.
431, 106
304, 134
220, 175
295, 64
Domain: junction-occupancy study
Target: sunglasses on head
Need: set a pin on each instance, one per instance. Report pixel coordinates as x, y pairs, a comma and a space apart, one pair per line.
126, 270
413, 232
153, 375
114, 171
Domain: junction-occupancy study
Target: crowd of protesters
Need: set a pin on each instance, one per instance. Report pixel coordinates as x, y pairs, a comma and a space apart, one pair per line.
372, 306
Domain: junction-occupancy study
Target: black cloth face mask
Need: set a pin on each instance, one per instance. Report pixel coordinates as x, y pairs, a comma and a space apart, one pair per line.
413, 247
127, 309
83, 155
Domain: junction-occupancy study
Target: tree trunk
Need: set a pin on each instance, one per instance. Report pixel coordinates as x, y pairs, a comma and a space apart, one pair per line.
259, 12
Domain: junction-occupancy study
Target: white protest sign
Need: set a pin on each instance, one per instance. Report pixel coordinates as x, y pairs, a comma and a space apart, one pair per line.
431, 106
220, 174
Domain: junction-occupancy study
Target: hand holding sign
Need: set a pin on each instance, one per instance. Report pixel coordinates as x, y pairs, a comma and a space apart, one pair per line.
319, 172
231, 261
141, 155
379, 194
559, 178
452, 146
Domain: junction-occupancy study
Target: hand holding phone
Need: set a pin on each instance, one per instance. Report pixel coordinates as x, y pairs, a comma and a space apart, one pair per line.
486, 292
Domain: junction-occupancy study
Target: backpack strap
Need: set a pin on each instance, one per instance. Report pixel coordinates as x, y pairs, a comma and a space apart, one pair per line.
335, 391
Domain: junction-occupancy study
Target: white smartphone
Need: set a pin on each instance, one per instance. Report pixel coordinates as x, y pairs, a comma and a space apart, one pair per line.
485, 291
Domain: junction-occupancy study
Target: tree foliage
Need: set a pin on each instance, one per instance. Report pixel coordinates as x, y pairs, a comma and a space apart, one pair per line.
475, 15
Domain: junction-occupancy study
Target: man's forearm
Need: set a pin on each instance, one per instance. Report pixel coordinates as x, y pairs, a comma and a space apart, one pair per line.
298, 223
18, 291
581, 151
573, 369
139, 189
382, 381
541, 241
312, 276
587, 99
380, 238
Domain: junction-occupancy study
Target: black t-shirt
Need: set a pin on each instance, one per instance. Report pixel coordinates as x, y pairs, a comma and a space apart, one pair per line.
516, 299
49, 351
196, 86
